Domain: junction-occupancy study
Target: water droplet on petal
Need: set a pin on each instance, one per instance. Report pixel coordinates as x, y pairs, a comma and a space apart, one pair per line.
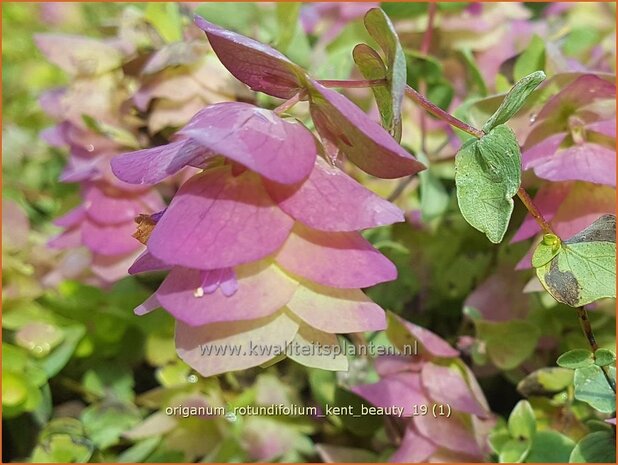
199, 292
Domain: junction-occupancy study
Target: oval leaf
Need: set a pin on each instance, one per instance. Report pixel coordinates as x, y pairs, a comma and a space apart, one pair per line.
514, 100
584, 269
488, 175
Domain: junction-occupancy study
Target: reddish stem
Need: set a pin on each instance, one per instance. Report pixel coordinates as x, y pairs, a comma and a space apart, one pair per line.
431, 14
443, 115
287, 104
534, 211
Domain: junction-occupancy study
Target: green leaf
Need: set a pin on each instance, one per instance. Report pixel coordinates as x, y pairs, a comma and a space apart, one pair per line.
499, 339
488, 175
604, 357
531, 59
474, 73
522, 423
434, 197
592, 387
498, 439
104, 423
545, 381
514, 451
166, 19
287, 20
56, 360
371, 66
62, 448
598, 447
514, 100
550, 447
577, 358
583, 268
361, 425
381, 29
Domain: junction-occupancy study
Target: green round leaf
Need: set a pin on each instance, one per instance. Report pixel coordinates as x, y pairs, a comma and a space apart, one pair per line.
550, 447
522, 423
592, 387
576, 358
598, 447
604, 357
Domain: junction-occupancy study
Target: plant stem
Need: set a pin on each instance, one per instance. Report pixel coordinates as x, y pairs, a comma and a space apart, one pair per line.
440, 113
584, 322
285, 106
352, 84
534, 211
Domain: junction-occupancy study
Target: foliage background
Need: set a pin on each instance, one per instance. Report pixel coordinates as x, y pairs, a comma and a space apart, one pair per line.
91, 371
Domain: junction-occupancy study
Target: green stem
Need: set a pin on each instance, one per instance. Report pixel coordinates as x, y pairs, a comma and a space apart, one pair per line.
352, 84
584, 322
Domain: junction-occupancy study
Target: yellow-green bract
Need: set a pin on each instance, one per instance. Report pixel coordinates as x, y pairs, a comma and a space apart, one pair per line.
488, 175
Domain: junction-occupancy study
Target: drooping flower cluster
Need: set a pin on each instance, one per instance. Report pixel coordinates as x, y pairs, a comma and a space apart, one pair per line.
112, 105
447, 418
263, 246
97, 91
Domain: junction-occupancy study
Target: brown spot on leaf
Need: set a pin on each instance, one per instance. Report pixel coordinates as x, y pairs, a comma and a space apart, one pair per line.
563, 284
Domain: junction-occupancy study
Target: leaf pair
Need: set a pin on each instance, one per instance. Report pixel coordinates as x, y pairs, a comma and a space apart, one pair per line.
488, 170
372, 66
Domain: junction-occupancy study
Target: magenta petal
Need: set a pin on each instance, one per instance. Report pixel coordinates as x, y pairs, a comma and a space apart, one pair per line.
544, 149
450, 433
367, 144
261, 67
217, 220
229, 346
582, 91
445, 385
414, 448
430, 341
586, 162
262, 290
607, 127
280, 150
401, 390
150, 304
111, 268
330, 200
146, 262
337, 310
113, 239
69, 239
342, 260
118, 208
150, 166
386, 365
72, 218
